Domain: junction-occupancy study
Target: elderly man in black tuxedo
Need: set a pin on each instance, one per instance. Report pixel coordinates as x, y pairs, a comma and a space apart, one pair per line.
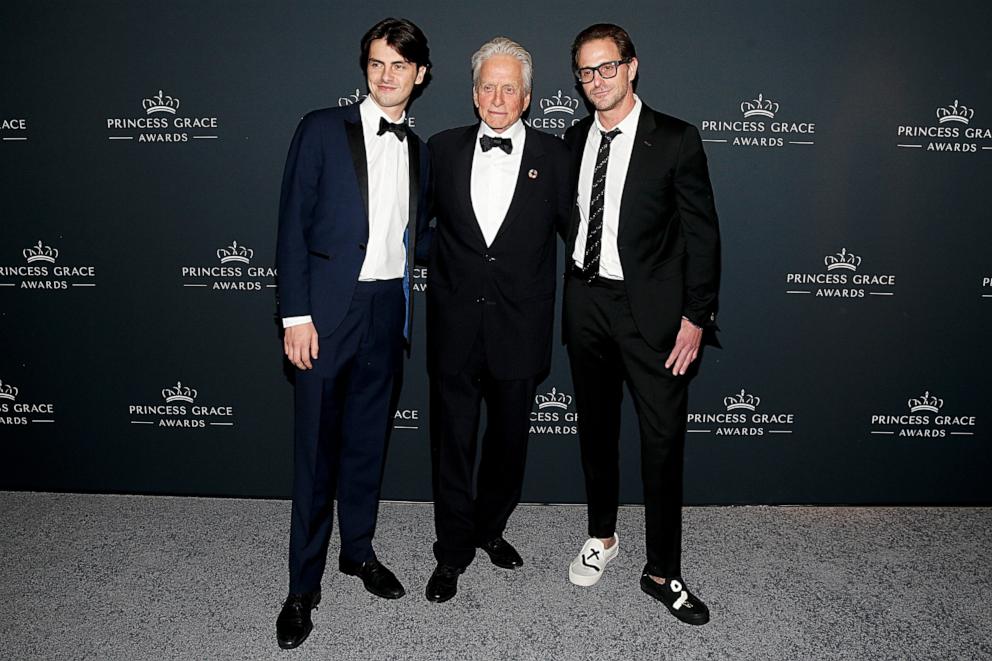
501, 197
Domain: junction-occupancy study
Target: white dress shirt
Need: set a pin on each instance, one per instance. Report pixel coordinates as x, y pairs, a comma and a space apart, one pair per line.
616, 174
389, 201
494, 178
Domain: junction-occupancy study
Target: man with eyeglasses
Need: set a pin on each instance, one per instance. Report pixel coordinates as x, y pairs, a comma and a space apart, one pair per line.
640, 298
354, 202
501, 198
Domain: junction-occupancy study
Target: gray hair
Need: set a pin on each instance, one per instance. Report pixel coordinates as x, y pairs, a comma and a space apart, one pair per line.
503, 46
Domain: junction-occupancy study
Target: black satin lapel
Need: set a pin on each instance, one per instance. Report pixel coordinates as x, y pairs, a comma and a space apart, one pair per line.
356, 141
531, 161
642, 152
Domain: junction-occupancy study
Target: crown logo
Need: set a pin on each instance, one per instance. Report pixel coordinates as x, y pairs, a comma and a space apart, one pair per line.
553, 400
160, 103
842, 260
40, 253
760, 106
180, 393
925, 402
7, 391
559, 103
955, 113
351, 99
235, 253
741, 400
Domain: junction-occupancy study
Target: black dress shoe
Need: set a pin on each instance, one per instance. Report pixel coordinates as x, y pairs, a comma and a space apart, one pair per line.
376, 576
443, 583
502, 553
676, 596
294, 624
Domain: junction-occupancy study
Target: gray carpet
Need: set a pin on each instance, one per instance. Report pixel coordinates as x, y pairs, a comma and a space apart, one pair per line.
112, 577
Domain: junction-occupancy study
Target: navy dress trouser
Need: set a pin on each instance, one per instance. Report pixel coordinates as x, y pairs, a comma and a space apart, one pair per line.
344, 409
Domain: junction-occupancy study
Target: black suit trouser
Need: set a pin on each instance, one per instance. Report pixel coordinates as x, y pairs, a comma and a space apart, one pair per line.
605, 349
465, 518
344, 410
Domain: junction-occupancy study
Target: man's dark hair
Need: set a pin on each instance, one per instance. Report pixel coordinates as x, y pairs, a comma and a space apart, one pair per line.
615, 33
403, 36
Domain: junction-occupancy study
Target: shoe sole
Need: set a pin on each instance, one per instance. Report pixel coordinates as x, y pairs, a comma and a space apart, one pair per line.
588, 581
694, 621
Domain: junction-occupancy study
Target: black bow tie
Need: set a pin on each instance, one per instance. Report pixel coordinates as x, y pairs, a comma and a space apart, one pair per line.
398, 129
488, 142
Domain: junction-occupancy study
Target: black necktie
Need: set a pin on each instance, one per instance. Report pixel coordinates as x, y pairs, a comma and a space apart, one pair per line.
398, 129
594, 239
488, 142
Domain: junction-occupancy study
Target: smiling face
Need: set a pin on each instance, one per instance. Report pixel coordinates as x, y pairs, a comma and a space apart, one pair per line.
607, 94
391, 78
500, 95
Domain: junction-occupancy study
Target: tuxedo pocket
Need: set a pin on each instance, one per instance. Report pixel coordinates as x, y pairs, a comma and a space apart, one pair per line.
317, 253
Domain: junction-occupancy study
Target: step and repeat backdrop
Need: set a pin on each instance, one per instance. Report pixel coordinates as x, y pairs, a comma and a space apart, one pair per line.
850, 147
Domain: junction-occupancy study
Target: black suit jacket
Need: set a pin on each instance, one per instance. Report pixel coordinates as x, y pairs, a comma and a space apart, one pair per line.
505, 291
668, 238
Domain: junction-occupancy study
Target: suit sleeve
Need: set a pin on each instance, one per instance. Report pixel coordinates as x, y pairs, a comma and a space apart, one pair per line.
700, 228
296, 207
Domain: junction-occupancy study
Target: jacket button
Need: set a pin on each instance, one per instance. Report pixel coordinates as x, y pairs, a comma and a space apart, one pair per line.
361, 246
481, 299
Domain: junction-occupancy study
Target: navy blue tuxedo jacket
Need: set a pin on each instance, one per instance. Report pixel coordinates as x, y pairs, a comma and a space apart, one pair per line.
324, 217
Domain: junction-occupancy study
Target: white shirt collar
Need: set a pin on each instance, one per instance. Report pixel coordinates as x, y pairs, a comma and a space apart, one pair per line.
515, 132
371, 112
628, 125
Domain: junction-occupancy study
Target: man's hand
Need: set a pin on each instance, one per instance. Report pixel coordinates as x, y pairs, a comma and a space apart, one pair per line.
300, 344
686, 348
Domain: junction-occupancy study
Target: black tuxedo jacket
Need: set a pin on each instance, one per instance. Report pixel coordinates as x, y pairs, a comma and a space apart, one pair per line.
668, 238
506, 292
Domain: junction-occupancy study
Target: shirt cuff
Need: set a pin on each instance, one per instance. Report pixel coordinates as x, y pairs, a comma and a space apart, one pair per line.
296, 321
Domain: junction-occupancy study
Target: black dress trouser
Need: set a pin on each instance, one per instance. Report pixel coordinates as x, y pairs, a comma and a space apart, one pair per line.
605, 349
465, 518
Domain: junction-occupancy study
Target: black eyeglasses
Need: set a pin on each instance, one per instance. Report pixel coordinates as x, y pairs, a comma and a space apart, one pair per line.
605, 70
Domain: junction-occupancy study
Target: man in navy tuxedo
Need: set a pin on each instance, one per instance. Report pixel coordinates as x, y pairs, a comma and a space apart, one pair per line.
353, 205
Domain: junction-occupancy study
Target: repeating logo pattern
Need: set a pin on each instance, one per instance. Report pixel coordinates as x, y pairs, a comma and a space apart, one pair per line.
759, 126
925, 419
741, 417
553, 414
232, 272
13, 129
952, 132
41, 270
557, 113
15, 411
841, 277
179, 408
161, 122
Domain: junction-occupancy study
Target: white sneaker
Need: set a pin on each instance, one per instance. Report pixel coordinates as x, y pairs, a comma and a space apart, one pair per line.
589, 564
